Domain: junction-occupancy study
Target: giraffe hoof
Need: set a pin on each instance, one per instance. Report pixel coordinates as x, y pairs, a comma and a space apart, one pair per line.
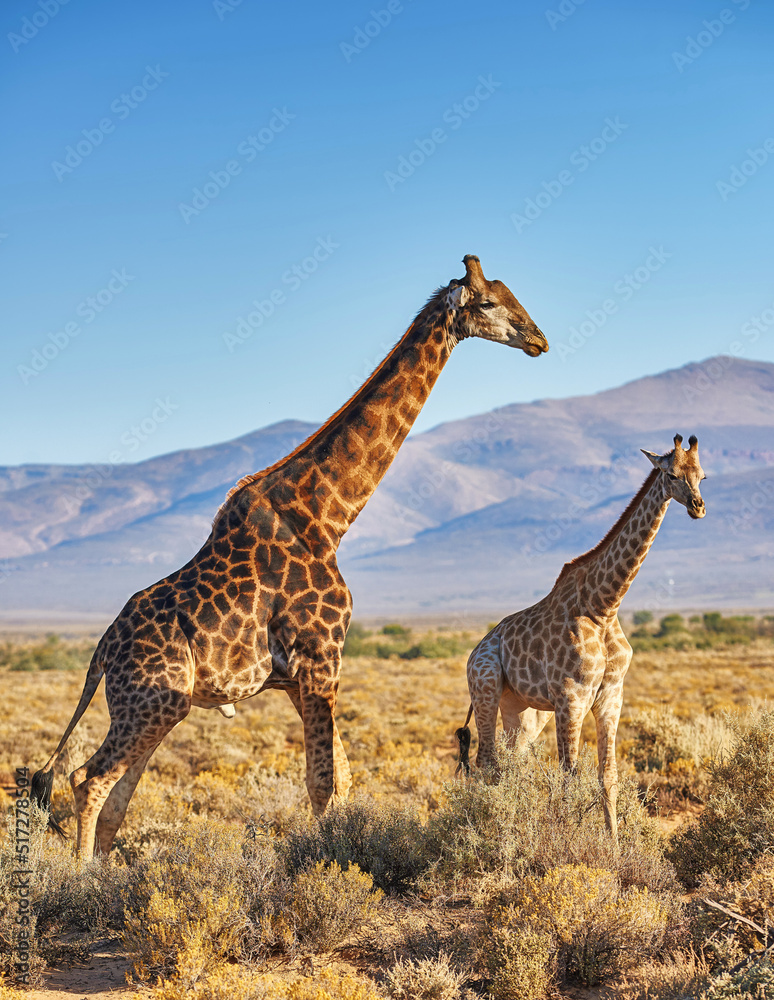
227, 711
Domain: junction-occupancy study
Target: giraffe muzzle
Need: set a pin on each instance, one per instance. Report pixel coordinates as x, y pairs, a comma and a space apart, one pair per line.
696, 510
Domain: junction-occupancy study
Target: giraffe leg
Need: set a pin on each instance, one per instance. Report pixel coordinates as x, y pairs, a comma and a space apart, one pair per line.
318, 689
122, 748
485, 681
570, 713
342, 776
112, 814
521, 725
606, 715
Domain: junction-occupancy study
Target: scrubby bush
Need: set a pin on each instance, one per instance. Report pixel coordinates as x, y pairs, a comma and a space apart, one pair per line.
195, 902
355, 644
518, 960
670, 754
699, 632
596, 929
51, 654
326, 903
383, 839
424, 979
538, 817
737, 825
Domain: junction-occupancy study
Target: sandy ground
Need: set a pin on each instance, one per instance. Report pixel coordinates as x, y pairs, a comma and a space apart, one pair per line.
104, 976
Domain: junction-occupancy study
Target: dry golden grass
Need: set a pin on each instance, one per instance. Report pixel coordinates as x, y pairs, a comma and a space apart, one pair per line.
396, 718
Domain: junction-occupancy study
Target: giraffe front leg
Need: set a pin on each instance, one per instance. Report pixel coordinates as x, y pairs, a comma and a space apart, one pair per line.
606, 715
342, 775
485, 683
318, 690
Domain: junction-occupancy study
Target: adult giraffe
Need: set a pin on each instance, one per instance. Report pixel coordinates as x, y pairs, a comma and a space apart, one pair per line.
263, 604
568, 653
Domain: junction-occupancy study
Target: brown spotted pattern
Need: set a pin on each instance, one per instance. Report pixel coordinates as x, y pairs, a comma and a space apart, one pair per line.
567, 654
263, 604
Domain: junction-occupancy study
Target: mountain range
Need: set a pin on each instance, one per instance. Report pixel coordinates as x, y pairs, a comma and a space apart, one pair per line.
475, 517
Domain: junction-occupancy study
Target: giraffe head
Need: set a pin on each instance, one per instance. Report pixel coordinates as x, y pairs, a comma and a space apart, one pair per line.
682, 474
490, 310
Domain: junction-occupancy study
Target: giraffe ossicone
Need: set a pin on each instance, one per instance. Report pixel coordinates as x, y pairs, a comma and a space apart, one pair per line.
568, 654
263, 605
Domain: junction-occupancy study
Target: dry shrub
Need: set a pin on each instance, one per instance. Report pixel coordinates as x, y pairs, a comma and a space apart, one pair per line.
538, 817
384, 839
197, 903
679, 976
325, 985
223, 982
596, 928
737, 825
425, 979
670, 754
754, 982
326, 903
18, 917
518, 961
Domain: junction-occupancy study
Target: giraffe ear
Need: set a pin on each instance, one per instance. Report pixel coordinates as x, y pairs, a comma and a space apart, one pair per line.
660, 461
459, 296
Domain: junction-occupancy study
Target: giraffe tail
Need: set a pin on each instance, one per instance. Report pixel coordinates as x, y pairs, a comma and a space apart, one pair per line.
43, 780
463, 739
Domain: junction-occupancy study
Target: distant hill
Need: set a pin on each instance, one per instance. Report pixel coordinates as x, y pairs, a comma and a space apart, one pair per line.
475, 516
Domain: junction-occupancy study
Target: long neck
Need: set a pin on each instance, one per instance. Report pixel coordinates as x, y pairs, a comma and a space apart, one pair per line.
330, 476
610, 567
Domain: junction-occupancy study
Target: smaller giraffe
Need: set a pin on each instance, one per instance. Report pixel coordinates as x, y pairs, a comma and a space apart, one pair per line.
567, 653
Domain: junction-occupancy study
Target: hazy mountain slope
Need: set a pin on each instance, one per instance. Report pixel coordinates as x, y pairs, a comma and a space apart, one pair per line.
475, 514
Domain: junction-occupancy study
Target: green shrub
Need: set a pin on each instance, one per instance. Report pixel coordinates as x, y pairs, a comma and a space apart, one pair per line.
355, 641
642, 617
737, 825
385, 840
51, 654
397, 630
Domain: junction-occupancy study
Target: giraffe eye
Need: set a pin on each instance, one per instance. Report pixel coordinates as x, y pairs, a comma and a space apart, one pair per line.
673, 476
487, 305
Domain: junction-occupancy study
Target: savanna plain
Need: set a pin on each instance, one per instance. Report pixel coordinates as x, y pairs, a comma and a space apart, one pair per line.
421, 886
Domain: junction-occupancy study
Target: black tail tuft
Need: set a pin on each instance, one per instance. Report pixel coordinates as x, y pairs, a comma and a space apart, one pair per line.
40, 793
463, 738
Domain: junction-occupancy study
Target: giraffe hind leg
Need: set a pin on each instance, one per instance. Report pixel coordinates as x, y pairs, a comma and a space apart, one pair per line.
121, 750
112, 814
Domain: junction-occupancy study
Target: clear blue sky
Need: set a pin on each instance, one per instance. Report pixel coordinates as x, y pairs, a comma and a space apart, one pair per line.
200, 79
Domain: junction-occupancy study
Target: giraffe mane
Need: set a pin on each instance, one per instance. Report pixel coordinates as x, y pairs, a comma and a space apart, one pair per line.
340, 414
616, 529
